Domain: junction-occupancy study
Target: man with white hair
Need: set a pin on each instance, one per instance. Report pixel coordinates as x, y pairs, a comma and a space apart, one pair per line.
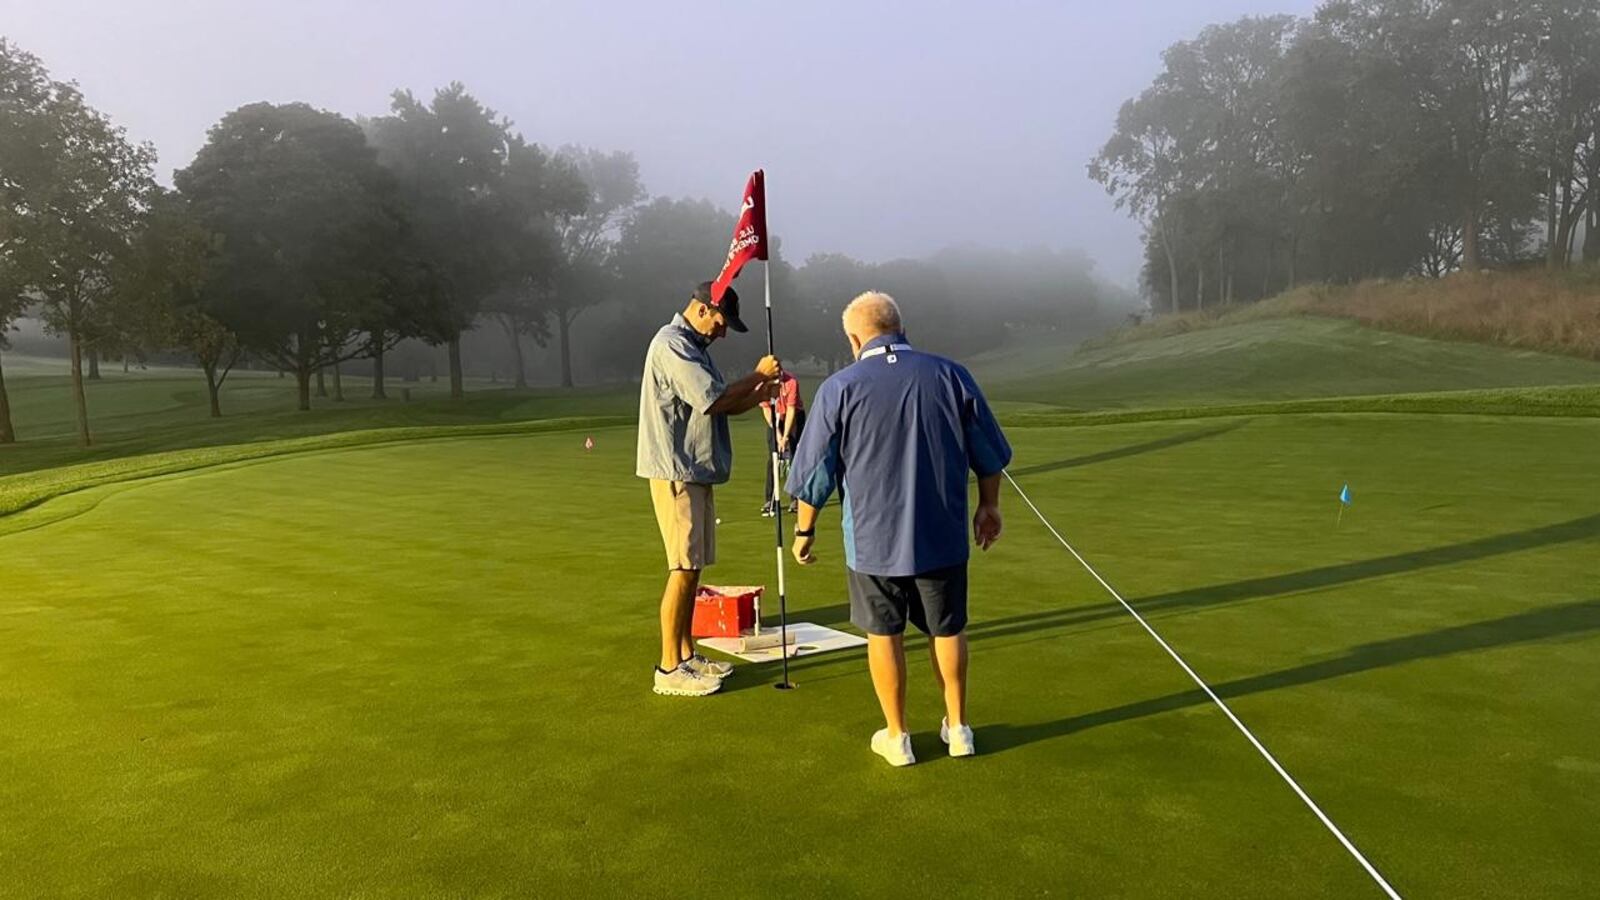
897, 433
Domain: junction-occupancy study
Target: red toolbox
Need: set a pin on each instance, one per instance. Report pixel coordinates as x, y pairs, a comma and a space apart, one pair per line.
724, 611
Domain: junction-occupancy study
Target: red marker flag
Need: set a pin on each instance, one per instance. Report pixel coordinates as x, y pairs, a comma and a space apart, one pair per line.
749, 236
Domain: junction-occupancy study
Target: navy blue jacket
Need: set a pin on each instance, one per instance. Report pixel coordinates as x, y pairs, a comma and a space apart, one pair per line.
897, 433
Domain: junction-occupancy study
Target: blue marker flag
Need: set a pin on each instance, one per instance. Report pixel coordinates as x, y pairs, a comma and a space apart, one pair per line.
1344, 495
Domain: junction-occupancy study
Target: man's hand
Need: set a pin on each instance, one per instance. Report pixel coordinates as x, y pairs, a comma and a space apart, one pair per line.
769, 367
783, 443
986, 526
802, 550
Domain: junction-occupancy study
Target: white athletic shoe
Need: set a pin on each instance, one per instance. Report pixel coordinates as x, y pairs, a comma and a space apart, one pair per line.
960, 740
896, 750
707, 668
685, 682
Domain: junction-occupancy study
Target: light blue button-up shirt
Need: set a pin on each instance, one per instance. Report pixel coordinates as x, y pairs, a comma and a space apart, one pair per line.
678, 439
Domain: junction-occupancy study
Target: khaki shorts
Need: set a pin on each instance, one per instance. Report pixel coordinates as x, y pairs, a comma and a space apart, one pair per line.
687, 515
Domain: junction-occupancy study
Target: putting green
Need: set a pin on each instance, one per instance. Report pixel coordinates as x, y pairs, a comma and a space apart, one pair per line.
421, 670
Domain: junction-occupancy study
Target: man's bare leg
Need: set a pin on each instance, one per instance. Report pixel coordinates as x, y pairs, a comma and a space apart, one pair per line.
686, 621
677, 612
886, 659
949, 656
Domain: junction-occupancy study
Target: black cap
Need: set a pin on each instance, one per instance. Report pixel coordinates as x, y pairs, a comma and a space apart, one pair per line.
728, 305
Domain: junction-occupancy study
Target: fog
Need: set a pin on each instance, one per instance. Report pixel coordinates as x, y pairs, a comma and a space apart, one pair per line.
884, 134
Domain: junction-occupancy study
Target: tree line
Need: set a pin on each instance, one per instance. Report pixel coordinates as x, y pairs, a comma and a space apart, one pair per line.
303, 240
1376, 138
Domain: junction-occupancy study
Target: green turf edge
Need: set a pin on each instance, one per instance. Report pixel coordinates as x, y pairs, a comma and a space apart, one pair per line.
29, 489
1560, 401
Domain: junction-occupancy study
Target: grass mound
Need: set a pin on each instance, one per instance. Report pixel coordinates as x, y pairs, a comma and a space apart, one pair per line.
1528, 310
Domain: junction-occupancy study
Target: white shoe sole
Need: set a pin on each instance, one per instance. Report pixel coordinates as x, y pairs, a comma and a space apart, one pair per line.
679, 692
896, 761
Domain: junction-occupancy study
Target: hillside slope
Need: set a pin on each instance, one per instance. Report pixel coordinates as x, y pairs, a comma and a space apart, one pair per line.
1281, 359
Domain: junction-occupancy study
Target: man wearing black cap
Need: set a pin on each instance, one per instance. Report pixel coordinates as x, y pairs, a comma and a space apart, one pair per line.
685, 449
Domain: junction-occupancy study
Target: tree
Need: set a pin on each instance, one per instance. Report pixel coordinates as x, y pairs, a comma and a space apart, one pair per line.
1565, 115
75, 200
479, 198
827, 282
1466, 67
666, 248
164, 300
541, 192
587, 271
11, 306
25, 90
1150, 161
305, 224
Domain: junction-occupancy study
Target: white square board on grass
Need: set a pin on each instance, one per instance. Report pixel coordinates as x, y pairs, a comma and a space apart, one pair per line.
807, 640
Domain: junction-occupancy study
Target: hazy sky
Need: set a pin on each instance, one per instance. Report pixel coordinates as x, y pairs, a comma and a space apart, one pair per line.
886, 129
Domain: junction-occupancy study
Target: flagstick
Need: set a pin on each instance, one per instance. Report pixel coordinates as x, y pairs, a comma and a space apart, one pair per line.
777, 495
1337, 521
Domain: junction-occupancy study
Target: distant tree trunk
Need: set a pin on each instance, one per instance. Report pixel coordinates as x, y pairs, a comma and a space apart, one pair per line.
1199, 285
213, 389
124, 363
1471, 261
1552, 216
1591, 227
303, 370
513, 328
282, 373
564, 321
322, 386
1591, 222
78, 398
8, 435
1563, 248
338, 383
457, 389
377, 368
94, 364
1172, 259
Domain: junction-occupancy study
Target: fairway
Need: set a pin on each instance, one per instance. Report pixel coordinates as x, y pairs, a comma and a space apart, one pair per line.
421, 670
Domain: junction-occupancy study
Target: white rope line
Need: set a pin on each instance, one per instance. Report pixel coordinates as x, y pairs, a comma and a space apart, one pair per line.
1272, 761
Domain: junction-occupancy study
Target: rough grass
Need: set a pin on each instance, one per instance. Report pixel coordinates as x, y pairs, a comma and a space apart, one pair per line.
1530, 310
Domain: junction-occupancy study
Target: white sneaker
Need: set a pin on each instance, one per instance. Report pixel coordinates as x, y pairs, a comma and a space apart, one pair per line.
708, 668
896, 750
685, 682
960, 740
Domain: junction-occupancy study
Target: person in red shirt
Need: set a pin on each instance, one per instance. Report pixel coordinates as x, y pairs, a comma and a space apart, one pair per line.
791, 413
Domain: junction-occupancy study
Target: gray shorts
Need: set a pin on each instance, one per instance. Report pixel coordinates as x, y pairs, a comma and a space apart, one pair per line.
935, 602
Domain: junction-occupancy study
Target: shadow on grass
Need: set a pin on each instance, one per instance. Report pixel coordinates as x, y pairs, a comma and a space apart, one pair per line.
1304, 580
1565, 620
1270, 585
1234, 592
1176, 440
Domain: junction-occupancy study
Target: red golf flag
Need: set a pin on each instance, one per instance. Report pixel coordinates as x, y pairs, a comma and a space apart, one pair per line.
749, 236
